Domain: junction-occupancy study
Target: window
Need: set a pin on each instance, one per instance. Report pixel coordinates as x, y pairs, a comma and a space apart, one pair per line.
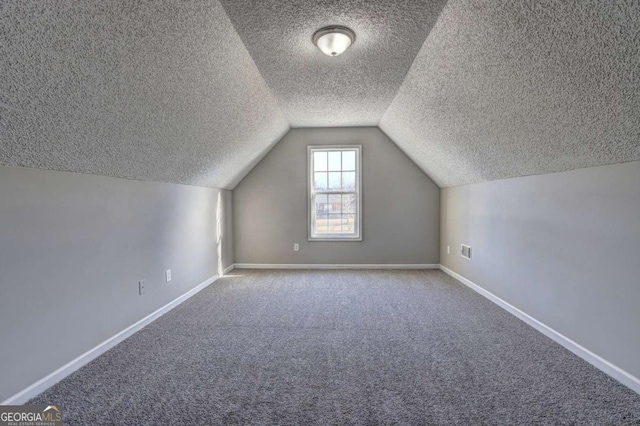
335, 183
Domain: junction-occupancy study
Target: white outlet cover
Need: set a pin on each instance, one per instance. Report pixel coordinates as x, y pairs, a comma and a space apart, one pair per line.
296, 247
167, 275
448, 249
141, 289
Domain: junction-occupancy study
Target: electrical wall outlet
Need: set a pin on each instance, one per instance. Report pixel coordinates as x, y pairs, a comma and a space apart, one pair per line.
167, 275
448, 249
141, 287
296, 247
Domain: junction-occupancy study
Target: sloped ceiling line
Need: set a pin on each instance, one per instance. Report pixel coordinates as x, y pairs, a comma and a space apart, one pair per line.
504, 89
86, 95
353, 89
471, 90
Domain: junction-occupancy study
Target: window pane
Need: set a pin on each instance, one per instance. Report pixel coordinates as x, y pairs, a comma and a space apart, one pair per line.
334, 180
321, 204
348, 203
335, 203
322, 226
348, 181
320, 180
348, 160
334, 160
321, 213
335, 223
348, 223
320, 161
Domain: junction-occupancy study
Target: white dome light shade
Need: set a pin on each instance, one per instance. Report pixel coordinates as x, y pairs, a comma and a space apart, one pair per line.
333, 44
333, 40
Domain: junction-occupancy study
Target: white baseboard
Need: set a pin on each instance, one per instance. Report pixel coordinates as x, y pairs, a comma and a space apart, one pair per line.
36, 388
62, 372
334, 266
600, 363
228, 269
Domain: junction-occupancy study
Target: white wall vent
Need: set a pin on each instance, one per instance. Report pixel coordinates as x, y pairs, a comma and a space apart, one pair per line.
465, 251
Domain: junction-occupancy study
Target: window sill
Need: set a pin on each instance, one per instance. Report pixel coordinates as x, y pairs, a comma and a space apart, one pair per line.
336, 239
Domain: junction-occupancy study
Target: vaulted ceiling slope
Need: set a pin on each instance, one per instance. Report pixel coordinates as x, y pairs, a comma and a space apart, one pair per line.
173, 92
512, 88
353, 89
133, 89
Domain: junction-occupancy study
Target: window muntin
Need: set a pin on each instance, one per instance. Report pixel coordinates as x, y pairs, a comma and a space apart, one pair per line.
335, 212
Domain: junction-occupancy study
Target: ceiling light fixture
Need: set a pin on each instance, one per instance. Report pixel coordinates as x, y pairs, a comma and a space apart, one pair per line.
334, 40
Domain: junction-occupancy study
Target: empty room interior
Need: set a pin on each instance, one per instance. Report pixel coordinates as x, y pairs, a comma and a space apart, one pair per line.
332, 212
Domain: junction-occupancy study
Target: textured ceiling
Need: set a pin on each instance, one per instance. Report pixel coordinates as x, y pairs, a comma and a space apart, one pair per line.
141, 90
513, 88
353, 89
171, 91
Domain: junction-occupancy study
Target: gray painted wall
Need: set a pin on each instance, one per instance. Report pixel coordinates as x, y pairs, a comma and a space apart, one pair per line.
72, 249
401, 205
564, 248
226, 234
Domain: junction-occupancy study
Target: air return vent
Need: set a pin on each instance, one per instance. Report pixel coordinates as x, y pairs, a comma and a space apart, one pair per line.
465, 251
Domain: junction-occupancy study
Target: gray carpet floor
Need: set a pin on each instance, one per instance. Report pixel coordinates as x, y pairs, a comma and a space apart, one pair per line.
338, 348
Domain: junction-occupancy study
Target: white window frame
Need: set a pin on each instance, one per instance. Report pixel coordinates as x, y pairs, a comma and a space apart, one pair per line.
312, 193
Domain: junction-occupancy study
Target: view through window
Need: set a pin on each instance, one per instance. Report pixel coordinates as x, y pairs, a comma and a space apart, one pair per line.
334, 182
